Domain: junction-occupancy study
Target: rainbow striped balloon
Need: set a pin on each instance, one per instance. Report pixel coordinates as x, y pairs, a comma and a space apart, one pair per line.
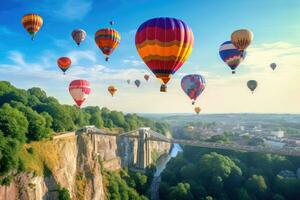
32, 23
164, 44
107, 40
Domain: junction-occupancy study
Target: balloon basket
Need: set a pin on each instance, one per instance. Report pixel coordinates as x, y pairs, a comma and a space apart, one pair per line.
163, 88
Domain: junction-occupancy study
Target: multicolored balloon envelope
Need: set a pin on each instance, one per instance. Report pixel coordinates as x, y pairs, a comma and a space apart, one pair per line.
231, 55
64, 63
79, 90
197, 109
252, 85
112, 90
137, 83
164, 44
78, 36
107, 40
241, 39
193, 85
32, 23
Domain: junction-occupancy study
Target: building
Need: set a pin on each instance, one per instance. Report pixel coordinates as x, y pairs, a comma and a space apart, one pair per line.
278, 133
287, 174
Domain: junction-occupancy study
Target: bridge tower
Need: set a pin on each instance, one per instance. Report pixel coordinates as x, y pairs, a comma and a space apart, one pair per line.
144, 149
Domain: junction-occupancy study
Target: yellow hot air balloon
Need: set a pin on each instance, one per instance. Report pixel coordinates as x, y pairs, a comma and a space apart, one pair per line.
112, 89
197, 110
32, 23
241, 39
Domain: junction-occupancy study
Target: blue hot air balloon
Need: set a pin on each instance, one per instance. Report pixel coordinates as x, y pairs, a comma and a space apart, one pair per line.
231, 55
193, 85
137, 83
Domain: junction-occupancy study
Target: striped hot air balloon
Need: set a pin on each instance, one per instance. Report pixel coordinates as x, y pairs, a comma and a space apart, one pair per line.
79, 90
32, 23
193, 85
241, 38
78, 36
64, 63
107, 40
231, 55
164, 44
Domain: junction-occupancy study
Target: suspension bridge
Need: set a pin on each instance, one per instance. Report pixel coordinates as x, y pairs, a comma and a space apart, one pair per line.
146, 134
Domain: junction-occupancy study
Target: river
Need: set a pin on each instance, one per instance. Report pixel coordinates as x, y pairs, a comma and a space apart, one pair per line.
160, 166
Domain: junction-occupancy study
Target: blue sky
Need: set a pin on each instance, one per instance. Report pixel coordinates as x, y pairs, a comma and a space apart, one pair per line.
275, 24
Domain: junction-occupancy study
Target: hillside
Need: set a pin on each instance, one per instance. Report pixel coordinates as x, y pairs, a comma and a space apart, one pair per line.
30, 115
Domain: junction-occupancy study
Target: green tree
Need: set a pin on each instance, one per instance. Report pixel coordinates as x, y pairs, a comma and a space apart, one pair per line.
63, 194
257, 186
13, 123
180, 192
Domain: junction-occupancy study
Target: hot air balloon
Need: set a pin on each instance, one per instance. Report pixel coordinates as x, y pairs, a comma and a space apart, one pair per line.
112, 89
78, 36
146, 77
107, 40
64, 63
241, 39
79, 90
197, 109
32, 23
231, 55
111, 23
137, 83
164, 44
128, 81
252, 84
193, 85
273, 66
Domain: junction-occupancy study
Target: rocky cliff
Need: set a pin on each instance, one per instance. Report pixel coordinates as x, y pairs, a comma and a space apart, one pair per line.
75, 163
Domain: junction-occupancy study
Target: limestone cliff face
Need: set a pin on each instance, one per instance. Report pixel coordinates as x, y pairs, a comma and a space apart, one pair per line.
80, 159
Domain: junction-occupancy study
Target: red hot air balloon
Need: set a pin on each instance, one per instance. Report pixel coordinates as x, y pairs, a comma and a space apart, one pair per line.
64, 63
78, 36
107, 40
79, 90
164, 44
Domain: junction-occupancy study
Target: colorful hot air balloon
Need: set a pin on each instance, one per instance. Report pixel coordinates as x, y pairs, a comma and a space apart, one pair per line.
32, 23
64, 63
273, 66
231, 55
128, 81
137, 83
193, 85
112, 89
107, 40
146, 77
241, 39
111, 23
164, 44
252, 84
78, 36
197, 109
79, 90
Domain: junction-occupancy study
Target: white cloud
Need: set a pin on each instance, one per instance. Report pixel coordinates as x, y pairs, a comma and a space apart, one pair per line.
77, 56
133, 62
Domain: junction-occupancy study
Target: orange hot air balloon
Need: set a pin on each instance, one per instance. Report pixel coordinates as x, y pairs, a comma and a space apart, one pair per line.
146, 77
112, 89
79, 90
197, 110
107, 40
64, 63
241, 39
32, 23
164, 44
